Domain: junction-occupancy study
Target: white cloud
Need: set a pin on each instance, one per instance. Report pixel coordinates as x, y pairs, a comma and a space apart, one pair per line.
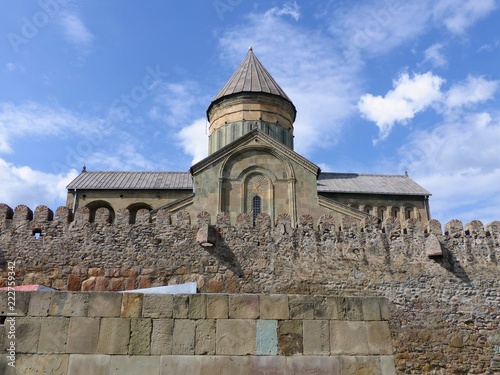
24, 185
311, 68
458, 15
36, 119
472, 91
409, 96
434, 55
194, 140
459, 163
75, 31
291, 10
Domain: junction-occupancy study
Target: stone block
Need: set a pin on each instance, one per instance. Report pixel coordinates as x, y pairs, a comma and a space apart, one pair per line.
217, 306
267, 337
40, 303
385, 313
371, 308
205, 337
387, 365
181, 364
180, 308
53, 335
14, 302
268, 365
316, 337
235, 337
433, 247
184, 336
301, 307
162, 336
83, 334
69, 304
27, 330
325, 308
361, 365
197, 306
105, 304
157, 306
379, 338
348, 338
84, 364
133, 365
244, 306
140, 336
274, 307
54, 364
299, 365
131, 305
290, 337
114, 336
225, 365
349, 308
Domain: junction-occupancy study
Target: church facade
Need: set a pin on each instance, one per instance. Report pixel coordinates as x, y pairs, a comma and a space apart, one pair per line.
252, 169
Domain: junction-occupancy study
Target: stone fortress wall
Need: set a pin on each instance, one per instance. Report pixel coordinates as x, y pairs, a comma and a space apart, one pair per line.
103, 333
443, 287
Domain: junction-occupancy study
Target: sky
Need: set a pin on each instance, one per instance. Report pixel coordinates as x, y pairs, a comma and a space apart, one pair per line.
380, 87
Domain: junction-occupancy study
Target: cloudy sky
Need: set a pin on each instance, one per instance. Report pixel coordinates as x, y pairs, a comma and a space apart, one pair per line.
380, 87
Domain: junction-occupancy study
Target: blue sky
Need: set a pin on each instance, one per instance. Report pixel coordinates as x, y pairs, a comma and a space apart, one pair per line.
380, 87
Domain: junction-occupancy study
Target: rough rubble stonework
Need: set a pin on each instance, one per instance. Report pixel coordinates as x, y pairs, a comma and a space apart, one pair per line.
443, 287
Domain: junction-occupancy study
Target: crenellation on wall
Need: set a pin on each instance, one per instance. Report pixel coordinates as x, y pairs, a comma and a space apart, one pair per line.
442, 285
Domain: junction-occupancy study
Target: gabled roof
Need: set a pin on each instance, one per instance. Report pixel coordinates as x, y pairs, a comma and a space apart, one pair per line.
132, 180
368, 184
266, 141
251, 76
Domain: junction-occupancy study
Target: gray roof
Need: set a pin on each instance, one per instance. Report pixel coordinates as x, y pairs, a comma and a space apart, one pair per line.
368, 184
251, 76
132, 180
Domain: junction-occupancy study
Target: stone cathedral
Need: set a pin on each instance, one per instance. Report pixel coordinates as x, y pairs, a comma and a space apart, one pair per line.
252, 169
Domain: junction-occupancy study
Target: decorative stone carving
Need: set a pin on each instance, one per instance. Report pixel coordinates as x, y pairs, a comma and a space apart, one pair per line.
349, 224
182, 218
244, 220
223, 219
263, 221
326, 223
306, 221
203, 218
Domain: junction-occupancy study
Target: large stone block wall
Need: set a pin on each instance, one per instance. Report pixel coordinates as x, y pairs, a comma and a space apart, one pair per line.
108, 333
442, 282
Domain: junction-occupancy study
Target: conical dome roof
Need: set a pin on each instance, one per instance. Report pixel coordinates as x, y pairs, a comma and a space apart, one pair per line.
251, 76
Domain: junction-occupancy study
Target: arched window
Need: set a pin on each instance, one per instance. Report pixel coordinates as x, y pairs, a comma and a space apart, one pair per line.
408, 212
256, 206
381, 213
368, 209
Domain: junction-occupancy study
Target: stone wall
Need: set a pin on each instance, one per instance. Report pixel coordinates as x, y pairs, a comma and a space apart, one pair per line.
443, 286
211, 334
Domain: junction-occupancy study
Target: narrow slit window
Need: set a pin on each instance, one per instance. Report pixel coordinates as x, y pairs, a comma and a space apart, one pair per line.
256, 206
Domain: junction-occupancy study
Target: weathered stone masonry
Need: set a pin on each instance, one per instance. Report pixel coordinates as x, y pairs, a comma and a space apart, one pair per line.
103, 333
443, 288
